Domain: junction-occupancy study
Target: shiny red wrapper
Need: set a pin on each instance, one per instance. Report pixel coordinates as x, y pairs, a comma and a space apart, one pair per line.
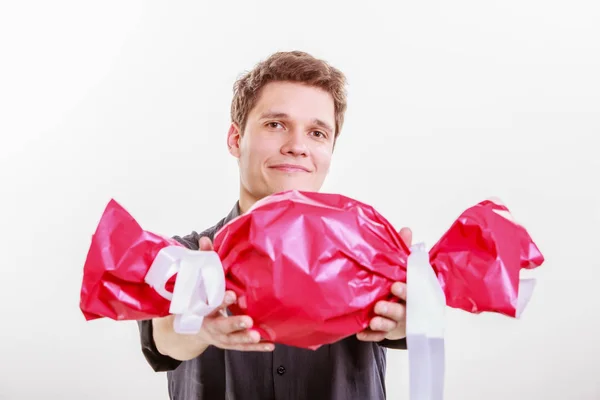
117, 262
479, 259
309, 267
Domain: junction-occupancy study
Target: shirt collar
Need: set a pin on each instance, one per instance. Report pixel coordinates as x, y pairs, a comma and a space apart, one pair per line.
233, 214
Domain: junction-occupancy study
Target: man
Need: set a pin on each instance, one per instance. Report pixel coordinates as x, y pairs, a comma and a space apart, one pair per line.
286, 114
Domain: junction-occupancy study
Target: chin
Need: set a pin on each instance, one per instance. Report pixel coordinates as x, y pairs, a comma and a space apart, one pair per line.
301, 186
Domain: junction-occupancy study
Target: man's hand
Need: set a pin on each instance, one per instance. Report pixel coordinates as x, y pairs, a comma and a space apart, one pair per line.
218, 329
232, 333
390, 322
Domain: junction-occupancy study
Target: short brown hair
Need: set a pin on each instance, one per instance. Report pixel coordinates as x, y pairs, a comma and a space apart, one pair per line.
293, 66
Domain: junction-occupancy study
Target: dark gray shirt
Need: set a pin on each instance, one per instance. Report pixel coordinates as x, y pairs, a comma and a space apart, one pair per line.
348, 369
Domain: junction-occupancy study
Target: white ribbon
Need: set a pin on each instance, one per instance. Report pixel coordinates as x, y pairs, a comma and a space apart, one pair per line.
425, 308
199, 286
526, 287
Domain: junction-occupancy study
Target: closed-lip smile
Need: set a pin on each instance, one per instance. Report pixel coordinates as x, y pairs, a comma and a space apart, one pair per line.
289, 168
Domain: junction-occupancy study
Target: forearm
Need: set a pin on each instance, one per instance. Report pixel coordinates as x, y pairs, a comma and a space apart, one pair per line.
175, 345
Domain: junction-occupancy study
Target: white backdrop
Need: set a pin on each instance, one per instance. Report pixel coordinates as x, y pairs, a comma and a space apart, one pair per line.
450, 102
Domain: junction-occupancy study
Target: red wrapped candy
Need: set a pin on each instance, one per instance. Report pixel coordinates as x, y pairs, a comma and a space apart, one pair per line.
117, 262
308, 267
131, 274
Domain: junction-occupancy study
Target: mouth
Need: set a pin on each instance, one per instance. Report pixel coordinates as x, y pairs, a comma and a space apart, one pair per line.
289, 168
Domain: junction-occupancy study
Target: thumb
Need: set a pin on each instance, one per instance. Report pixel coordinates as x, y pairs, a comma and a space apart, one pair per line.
205, 244
406, 235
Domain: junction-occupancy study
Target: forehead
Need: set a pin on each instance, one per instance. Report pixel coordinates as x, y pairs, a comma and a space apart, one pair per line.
297, 100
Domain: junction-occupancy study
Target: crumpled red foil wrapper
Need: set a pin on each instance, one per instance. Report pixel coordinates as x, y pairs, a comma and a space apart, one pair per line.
479, 259
309, 267
118, 259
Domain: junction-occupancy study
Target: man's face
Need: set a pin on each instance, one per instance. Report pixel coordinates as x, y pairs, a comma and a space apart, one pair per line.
287, 142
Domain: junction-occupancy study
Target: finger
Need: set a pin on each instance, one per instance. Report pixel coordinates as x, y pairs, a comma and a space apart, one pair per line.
406, 235
205, 244
245, 340
368, 335
228, 299
246, 336
399, 290
382, 324
227, 325
264, 347
394, 311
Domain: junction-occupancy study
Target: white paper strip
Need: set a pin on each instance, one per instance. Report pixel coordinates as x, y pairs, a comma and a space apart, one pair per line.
526, 287
425, 308
199, 287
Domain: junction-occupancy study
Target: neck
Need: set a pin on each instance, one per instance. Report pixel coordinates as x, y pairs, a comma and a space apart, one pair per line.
246, 200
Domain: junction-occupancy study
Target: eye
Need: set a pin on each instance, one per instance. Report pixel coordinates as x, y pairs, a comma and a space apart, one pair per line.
274, 125
319, 134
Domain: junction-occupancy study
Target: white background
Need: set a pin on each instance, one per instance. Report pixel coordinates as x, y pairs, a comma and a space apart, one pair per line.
450, 102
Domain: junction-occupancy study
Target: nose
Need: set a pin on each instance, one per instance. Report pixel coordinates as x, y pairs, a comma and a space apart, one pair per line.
295, 145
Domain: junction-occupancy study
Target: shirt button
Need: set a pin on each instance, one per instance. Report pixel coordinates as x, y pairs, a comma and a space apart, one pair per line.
281, 370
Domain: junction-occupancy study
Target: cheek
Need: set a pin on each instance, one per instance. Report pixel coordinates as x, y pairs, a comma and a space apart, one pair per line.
256, 152
322, 158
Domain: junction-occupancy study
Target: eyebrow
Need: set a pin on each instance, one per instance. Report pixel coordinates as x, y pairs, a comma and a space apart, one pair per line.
282, 115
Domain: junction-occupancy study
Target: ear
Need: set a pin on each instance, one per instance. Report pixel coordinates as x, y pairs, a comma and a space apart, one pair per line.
234, 137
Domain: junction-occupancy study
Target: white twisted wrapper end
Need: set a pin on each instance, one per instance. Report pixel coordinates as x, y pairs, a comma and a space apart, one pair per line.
199, 287
425, 309
526, 287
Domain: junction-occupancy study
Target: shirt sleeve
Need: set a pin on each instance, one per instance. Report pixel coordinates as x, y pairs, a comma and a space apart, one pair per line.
160, 362
399, 344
